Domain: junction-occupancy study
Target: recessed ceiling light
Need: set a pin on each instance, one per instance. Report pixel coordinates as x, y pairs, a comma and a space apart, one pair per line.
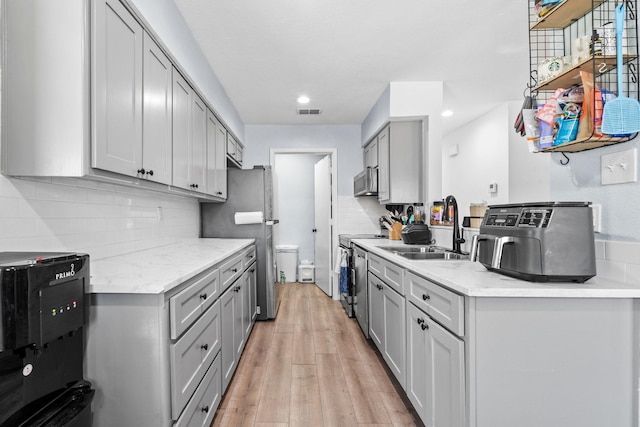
447, 113
303, 99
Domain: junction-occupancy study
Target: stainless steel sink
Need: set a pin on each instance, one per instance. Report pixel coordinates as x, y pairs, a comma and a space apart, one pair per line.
424, 253
433, 255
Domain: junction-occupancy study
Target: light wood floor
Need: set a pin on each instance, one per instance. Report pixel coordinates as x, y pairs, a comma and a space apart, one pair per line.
310, 367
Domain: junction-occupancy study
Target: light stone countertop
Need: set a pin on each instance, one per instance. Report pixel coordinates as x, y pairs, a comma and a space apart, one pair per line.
473, 279
158, 270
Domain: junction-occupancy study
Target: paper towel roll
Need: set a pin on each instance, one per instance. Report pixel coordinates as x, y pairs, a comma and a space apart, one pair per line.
249, 217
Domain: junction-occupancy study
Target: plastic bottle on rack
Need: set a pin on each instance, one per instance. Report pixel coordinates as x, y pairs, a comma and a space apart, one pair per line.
595, 47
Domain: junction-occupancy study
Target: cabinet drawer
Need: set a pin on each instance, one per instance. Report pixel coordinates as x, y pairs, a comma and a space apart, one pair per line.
230, 271
202, 407
444, 306
390, 273
248, 257
190, 303
192, 355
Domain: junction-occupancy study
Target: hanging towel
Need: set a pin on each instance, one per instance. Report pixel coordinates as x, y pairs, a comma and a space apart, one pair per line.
344, 273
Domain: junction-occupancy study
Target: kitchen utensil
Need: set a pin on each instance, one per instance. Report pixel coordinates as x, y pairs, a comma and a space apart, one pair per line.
621, 115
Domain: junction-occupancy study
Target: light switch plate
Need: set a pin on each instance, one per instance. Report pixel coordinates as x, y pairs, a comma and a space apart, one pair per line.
618, 168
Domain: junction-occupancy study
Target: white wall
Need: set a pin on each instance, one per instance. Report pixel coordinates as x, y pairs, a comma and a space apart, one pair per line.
260, 139
354, 215
489, 151
296, 202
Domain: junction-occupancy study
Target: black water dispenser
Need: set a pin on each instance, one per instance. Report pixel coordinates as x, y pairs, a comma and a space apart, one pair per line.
42, 318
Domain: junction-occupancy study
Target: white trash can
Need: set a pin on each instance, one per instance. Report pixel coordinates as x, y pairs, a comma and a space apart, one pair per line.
306, 273
286, 262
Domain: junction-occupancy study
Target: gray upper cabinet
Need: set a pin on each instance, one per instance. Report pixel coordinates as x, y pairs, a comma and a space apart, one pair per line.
216, 157
371, 154
189, 136
197, 165
156, 113
399, 163
181, 130
89, 92
384, 165
117, 89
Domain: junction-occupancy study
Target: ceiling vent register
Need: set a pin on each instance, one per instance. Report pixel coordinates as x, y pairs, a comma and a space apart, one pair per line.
309, 111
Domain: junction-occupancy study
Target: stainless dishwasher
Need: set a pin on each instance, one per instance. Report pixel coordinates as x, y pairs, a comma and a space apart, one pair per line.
361, 300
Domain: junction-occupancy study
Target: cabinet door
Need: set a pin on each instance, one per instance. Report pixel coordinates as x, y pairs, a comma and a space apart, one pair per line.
246, 298
181, 131
216, 157
376, 313
239, 153
371, 154
239, 316
231, 146
117, 89
253, 285
394, 332
191, 357
418, 352
197, 163
383, 166
227, 350
157, 109
221, 161
447, 376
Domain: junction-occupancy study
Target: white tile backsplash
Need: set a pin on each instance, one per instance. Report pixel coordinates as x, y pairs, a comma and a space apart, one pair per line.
102, 219
359, 215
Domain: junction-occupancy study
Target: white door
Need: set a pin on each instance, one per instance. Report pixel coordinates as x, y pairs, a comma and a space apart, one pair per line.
322, 228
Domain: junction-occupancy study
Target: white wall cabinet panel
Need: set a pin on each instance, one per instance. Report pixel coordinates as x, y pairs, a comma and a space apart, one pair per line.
117, 91
157, 110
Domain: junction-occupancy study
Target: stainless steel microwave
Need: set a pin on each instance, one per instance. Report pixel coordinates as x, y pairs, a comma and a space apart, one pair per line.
366, 183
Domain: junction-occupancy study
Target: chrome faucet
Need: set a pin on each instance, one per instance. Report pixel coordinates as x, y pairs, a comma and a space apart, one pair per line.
456, 241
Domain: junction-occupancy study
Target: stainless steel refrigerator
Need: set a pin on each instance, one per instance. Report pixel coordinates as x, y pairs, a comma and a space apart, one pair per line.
249, 190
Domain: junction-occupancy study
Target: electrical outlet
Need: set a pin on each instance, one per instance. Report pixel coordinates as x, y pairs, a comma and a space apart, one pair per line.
618, 168
258, 310
493, 188
596, 211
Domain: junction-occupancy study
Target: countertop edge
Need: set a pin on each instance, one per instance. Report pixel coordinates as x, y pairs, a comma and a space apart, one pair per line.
472, 279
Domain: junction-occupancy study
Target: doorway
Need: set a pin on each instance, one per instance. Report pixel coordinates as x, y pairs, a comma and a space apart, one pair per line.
297, 187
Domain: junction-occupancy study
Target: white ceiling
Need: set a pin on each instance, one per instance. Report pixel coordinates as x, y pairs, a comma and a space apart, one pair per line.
344, 53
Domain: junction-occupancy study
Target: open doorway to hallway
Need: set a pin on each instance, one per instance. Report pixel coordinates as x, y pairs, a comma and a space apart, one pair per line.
305, 194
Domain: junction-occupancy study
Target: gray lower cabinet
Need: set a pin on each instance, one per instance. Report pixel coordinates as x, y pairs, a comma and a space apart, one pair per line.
387, 325
237, 307
157, 359
435, 370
